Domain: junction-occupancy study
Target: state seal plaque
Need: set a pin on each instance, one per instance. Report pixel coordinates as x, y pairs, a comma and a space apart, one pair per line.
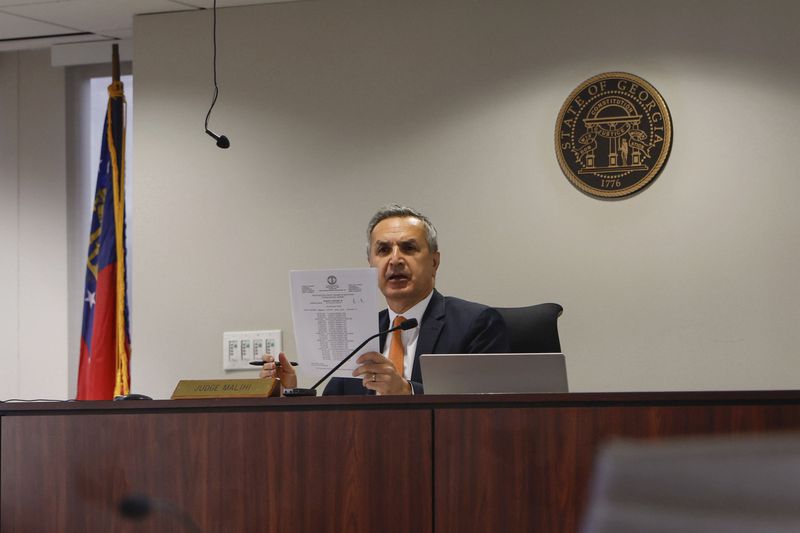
613, 135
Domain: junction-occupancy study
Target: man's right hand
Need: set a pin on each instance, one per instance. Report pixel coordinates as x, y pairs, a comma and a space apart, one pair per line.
284, 373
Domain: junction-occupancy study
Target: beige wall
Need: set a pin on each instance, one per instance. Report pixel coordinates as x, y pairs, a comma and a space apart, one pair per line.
334, 108
9, 227
33, 280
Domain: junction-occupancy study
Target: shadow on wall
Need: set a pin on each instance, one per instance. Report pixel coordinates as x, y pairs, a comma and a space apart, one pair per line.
408, 63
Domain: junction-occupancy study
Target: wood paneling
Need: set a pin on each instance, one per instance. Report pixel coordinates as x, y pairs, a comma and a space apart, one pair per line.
529, 469
436, 463
253, 471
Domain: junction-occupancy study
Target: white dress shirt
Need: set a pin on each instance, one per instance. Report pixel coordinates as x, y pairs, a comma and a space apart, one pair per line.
409, 336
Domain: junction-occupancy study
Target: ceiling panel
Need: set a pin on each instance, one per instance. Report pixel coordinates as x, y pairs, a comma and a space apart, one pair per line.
117, 33
92, 15
14, 27
32, 19
231, 3
4, 3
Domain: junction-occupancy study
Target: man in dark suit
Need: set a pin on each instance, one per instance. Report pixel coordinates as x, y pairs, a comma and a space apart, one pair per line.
402, 245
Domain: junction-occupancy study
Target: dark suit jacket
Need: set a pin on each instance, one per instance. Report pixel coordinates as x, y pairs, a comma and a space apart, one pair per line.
449, 325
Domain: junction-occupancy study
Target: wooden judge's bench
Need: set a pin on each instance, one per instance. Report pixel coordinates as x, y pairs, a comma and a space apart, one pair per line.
373, 464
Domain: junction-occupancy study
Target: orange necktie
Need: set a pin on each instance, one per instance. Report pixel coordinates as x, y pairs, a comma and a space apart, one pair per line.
397, 353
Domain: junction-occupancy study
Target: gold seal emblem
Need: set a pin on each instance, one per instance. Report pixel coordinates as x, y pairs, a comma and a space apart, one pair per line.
613, 135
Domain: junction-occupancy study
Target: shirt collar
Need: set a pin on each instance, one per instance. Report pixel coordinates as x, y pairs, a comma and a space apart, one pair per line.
415, 312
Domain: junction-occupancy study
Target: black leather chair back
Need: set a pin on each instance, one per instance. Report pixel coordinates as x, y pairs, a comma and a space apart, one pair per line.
533, 329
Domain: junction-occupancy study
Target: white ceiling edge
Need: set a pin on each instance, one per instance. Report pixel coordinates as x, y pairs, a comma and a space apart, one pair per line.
89, 53
46, 42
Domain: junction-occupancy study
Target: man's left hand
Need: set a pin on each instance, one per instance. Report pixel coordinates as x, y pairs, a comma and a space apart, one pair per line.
379, 374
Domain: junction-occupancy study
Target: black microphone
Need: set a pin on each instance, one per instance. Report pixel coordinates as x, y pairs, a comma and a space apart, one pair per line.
135, 506
408, 324
139, 506
222, 141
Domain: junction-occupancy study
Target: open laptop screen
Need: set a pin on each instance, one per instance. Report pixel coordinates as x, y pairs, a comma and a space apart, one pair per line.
493, 373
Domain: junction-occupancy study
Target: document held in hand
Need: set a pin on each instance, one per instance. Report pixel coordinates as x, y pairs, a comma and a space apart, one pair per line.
333, 311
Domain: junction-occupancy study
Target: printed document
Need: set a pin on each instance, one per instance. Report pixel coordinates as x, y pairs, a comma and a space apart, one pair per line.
333, 312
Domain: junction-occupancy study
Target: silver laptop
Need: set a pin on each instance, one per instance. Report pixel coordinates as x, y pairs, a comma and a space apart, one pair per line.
493, 373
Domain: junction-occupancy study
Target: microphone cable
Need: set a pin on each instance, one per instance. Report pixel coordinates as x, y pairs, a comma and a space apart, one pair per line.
222, 140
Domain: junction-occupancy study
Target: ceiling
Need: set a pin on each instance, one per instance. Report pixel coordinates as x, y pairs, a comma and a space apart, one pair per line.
27, 24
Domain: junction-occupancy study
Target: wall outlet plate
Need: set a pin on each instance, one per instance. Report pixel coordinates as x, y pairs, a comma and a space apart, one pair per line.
239, 348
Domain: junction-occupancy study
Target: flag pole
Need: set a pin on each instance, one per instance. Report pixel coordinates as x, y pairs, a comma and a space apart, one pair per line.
115, 62
122, 377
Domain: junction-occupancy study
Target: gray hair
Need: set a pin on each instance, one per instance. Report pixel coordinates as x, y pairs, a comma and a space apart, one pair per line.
397, 211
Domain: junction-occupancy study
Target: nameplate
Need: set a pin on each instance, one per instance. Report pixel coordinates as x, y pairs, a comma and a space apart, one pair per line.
190, 389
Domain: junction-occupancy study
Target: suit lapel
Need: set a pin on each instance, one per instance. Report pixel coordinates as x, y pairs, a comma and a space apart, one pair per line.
430, 329
383, 324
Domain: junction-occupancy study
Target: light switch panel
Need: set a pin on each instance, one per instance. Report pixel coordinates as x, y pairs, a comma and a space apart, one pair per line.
241, 347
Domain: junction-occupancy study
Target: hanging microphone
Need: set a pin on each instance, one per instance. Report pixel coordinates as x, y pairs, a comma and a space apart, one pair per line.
408, 324
222, 141
139, 507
